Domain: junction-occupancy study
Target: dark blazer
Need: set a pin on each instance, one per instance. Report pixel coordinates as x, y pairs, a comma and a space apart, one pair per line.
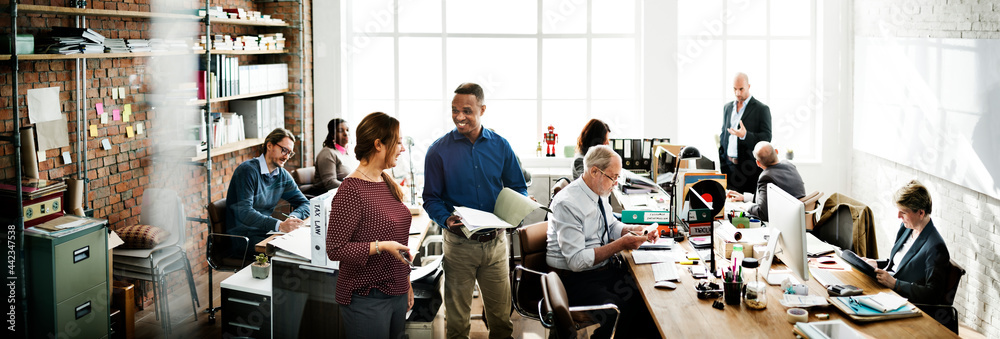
757, 119
783, 175
922, 275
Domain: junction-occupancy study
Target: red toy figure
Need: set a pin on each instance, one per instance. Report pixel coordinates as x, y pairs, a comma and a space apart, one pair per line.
550, 140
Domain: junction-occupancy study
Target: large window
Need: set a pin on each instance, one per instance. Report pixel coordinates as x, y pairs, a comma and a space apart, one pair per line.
541, 62
773, 41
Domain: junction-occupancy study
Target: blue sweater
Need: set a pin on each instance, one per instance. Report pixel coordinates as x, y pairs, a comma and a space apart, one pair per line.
253, 196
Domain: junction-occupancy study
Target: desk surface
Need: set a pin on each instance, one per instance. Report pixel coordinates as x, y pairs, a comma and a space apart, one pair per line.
679, 313
421, 222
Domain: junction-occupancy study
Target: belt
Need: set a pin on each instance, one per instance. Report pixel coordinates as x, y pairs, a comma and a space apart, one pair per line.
480, 236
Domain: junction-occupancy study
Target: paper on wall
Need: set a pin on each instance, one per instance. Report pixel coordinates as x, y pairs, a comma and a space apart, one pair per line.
43, 104
52, 134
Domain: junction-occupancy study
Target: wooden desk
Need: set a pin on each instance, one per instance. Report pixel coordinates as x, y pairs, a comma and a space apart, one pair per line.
680, 314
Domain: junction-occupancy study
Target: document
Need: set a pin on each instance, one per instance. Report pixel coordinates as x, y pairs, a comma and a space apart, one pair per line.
43, 104
651, 257
511, 208
296, 242
52, 134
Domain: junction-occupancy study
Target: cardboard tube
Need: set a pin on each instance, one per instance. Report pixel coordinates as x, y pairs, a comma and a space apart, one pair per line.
74, 197
29, 157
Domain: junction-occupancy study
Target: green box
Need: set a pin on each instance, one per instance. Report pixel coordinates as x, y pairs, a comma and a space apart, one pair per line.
25, 44
645, 217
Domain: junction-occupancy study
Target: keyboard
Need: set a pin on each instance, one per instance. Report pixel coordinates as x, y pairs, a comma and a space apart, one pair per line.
665, 271
824, 277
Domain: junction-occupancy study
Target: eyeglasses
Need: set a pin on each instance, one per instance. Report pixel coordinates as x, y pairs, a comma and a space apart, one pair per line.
615, 179
285, 151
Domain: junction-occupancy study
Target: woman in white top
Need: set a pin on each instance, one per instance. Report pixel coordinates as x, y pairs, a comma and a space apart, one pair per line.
333, 162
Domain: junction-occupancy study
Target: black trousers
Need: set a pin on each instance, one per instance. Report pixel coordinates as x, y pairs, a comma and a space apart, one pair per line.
615, 286
742, 177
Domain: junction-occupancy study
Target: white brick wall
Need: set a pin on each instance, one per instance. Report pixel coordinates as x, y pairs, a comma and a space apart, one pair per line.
968, 220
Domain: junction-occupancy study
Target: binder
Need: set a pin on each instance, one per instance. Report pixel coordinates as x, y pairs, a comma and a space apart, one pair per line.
319, 209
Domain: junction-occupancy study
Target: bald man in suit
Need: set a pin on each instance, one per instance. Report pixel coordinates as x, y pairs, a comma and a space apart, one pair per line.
745, 122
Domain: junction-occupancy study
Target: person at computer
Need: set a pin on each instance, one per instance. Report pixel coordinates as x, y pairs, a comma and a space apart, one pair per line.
918, 265
368, 233
332, 161
595, 133
468, 167
774, 171
582, 238
745, 122
256, 187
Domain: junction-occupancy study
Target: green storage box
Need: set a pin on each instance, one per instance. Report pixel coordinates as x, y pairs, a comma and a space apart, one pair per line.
25, 44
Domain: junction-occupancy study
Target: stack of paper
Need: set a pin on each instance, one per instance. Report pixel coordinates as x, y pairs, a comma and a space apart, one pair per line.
508, 212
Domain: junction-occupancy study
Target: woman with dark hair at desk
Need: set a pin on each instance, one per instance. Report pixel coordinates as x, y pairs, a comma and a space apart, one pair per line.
368, 233
332, 161
919, 263
595, 133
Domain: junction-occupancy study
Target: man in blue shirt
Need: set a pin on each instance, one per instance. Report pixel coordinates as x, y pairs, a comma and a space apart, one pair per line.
257, 186
468, 167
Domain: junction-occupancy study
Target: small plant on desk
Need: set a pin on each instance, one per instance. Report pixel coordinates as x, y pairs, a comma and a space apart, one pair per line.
260, 267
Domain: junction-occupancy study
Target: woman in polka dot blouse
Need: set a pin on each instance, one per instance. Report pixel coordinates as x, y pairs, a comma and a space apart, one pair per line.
369, 229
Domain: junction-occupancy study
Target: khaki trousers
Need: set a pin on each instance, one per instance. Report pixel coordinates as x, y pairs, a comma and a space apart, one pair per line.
466, 261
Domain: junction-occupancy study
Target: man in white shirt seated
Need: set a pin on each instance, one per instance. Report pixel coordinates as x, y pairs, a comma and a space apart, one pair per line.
583, 242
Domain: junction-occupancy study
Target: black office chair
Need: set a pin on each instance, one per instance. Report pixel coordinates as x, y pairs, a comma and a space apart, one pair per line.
945, 313
526, 285
558, 316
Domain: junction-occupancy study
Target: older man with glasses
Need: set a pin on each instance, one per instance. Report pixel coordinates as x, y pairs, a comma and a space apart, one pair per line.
583, 244
257, 186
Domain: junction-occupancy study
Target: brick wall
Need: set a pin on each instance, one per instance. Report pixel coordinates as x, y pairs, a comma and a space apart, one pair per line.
118, 177
968, 220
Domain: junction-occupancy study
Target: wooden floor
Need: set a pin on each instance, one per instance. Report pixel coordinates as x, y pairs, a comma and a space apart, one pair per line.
186, 325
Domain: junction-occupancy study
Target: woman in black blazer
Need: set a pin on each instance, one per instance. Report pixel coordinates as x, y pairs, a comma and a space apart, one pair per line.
918, 265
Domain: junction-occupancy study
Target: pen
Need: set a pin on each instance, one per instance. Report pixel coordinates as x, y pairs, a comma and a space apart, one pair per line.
688, 262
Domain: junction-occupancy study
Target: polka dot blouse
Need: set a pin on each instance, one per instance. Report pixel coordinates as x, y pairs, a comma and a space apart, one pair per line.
362, 212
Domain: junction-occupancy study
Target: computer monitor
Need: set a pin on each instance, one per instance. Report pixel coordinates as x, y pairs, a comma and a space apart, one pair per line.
663, 165
788, 215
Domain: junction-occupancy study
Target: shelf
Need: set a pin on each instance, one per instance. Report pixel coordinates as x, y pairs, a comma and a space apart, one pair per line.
228, 52
229, 148
241, 96
103, 12
22, 57
242, 22
137, 14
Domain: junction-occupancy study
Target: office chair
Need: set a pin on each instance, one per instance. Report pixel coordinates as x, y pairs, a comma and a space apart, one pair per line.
220, 250
161, 208
559, 316
303, 177
526, 284
561, 183
945, 313
813, 208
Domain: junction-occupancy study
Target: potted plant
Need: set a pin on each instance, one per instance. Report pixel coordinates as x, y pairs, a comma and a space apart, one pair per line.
260, 267
789, 154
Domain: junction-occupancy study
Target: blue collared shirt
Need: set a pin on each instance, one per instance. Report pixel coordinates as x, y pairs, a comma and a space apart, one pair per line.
734, 123
576, 228
458, 172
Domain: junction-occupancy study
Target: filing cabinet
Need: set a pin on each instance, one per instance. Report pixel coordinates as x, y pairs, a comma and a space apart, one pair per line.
68, 282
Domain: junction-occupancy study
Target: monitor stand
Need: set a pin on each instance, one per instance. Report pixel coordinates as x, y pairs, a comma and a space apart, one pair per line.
776, 277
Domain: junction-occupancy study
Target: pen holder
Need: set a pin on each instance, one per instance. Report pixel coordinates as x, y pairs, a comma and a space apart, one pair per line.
733, 291
741, 222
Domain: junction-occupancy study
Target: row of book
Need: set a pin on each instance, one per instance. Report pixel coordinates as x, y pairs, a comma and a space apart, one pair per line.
226, 77
259, 42
238, 13
251, 118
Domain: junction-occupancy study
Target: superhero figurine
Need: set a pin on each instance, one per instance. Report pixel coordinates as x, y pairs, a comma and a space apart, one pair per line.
550, 140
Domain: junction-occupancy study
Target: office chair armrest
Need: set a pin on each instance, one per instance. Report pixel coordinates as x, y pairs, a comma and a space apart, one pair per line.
581, 314
210, 242
525, 269
817, 210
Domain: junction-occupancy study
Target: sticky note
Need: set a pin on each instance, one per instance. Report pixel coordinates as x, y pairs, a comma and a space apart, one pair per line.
106, 144
104, 119
128, 131
139, 128
117, 114
100, 108
40, 155
121, 92
93, 131
127, 113
114, 94
67, 159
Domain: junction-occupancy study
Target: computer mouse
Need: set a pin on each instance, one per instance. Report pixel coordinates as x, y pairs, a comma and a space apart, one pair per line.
665, 284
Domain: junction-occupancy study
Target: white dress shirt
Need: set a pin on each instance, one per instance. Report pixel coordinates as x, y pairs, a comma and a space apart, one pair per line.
734, 122
576, 229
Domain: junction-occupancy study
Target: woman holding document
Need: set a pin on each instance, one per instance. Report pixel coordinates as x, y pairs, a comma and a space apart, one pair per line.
368, 234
